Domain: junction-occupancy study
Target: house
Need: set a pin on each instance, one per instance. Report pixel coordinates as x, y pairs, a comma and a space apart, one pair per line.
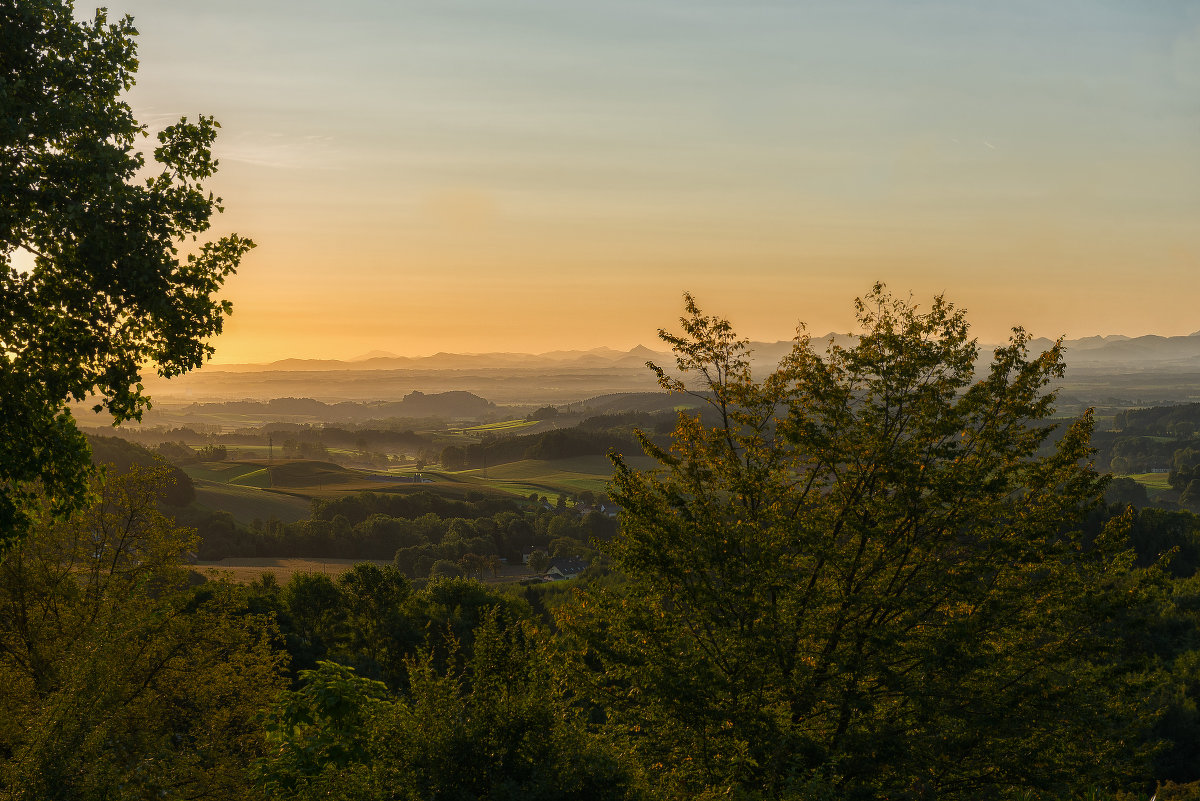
566, 567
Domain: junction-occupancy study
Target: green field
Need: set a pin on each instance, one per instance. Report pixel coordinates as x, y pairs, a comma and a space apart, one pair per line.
219, 472
249, 503
1152, 481
504, 426
553, 477
281, 473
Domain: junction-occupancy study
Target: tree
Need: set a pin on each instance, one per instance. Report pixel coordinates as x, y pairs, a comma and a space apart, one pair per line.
108, 290
544, 413
866, 578
454, 457
499, 727
490, 722
472, 564
319, 730
317, 616
444, 568
212, 453
117, 679
539, 561
1126, 491
379, 634
1190, 497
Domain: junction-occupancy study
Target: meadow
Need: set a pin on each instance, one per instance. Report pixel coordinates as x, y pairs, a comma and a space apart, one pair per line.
499, 427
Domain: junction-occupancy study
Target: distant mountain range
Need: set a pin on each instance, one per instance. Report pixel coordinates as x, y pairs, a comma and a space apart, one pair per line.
1128, 371
1113, 350
453, 405
382, 360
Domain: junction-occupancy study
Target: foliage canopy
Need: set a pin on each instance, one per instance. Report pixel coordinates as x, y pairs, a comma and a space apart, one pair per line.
118, 679
109, 290
867, 578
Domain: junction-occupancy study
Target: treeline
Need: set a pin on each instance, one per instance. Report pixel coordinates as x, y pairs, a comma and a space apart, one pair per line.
386, 443
378, 446
1182, 420
452, 405
417, 531
1162, 439
119, 456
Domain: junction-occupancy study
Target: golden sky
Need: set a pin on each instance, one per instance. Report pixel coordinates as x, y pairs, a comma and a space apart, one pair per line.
483, 175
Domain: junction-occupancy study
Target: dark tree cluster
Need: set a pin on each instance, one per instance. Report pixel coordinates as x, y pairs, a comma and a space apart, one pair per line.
416, 406
118, 677
1156, 439
416, 531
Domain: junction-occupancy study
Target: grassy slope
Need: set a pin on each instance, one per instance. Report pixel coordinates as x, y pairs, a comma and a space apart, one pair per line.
248, 503
1155, 483
505, 426
219, 472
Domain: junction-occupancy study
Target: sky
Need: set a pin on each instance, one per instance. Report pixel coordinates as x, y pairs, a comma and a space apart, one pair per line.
530, 175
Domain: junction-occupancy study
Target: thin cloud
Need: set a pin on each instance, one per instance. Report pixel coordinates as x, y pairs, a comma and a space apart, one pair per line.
278, 150
258, 148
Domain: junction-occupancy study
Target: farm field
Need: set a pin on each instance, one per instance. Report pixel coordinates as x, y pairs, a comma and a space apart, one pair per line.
219, 472
283, 489
293, 474
553, 476
249, 503
504, 426
243, 570
1155, 482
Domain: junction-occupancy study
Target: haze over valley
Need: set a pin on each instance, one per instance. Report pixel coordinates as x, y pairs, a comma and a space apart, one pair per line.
1109, 371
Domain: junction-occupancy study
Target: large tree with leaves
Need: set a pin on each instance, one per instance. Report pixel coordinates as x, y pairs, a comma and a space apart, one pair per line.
109, 290
862, 575
119, 680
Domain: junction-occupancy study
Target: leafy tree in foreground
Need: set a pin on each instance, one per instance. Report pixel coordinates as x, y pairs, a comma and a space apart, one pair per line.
117, 680
491, 724
866, 579
108, 290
